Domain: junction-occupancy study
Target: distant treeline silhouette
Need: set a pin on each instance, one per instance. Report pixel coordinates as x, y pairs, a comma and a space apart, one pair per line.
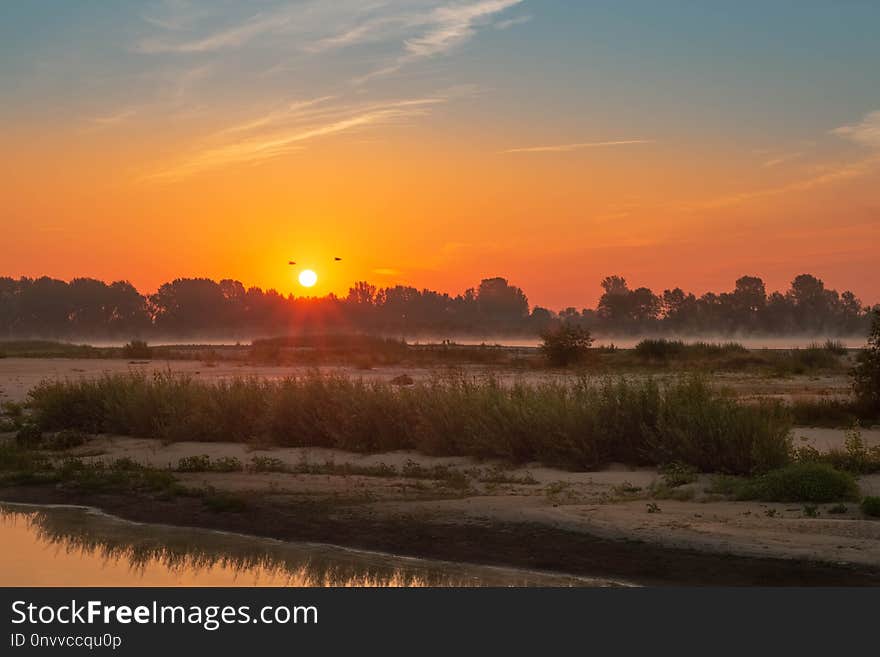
200, 308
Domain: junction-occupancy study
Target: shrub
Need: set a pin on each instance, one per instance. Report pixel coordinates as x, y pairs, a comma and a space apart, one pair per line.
800, 482
678, 474
866, 374
137, 349
565, 344
871, 506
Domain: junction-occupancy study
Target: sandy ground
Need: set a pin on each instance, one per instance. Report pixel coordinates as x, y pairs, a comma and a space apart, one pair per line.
613, 503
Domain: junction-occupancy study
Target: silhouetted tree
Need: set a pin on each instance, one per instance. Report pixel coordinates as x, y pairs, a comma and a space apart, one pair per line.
866, 375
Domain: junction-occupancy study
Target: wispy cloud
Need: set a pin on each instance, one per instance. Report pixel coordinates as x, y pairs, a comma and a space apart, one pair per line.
512, 22
454, 24
113, 119
781, 159
285, 130
232, 37
866, 132
826, 176
443, 29
565, 148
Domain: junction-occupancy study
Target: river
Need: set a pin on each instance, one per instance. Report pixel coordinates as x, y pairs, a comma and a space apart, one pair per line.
79, 546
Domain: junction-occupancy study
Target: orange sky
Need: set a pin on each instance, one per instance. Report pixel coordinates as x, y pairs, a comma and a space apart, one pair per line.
441, 172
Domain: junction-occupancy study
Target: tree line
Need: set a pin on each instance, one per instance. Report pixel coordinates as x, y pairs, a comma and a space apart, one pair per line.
199, 307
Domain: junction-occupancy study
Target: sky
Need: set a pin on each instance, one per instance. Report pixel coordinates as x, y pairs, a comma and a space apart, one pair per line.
438, 142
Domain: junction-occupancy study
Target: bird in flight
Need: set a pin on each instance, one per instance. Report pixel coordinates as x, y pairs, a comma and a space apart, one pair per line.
335, 259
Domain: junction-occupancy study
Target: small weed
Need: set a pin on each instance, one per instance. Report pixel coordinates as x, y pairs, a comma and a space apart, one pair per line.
871, 506
626, 488
837, 509
811, 511
201, 463
653, 507
227, 464
267, 464
677, 474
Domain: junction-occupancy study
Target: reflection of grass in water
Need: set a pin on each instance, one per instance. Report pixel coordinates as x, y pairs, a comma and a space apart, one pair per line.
77, 532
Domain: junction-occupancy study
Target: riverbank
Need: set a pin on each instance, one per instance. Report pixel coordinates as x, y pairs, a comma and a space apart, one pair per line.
614, 523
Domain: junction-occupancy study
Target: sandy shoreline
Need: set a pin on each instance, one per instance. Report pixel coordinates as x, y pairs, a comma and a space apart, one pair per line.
607, 506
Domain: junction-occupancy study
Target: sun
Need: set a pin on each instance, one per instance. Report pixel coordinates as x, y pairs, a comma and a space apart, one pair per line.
307, 278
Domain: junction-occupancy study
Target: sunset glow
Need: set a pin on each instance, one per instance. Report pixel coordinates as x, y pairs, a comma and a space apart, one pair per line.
439, 143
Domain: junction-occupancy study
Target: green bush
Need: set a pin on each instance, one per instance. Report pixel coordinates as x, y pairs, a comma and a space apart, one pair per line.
678, 474
871, 506
566, 344
800, 482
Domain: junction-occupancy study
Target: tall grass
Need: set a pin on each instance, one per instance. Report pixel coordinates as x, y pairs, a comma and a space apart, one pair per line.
582, 424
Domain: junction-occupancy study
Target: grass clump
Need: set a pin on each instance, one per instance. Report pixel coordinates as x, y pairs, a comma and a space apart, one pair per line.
122, 475
676, 474
267, 464
814, 483
659, 349
871, 506
824, 412
203, 463
577, 425
65, 439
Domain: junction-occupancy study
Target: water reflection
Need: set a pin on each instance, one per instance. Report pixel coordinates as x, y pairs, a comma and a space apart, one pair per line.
74, 546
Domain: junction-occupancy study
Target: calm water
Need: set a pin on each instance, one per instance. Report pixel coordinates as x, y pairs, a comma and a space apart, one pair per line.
75, 546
